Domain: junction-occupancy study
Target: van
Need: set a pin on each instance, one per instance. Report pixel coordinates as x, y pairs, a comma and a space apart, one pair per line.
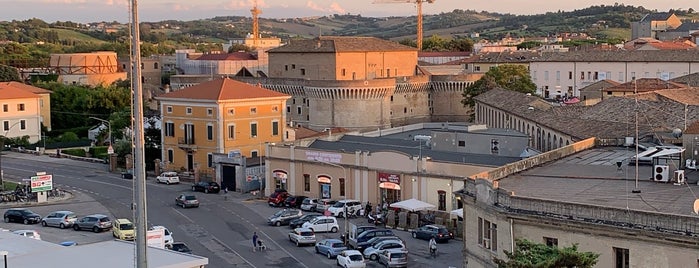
338, 209
360, 242
123, 229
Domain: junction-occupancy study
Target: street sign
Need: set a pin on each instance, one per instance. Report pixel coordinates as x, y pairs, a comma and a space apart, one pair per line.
110, 150
156, 238
42, 183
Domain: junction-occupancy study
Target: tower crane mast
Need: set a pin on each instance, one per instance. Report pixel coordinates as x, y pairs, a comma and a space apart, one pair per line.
255, 23
418, 3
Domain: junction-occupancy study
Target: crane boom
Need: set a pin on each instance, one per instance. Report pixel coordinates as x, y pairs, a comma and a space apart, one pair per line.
418, 3
255, 24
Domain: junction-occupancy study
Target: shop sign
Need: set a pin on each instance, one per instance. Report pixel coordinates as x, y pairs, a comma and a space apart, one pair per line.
387, 177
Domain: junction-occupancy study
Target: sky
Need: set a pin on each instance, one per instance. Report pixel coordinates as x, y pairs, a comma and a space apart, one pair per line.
86, 11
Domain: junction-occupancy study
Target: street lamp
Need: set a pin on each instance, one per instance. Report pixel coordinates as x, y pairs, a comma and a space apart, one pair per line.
4, 256
344, 171
109, 126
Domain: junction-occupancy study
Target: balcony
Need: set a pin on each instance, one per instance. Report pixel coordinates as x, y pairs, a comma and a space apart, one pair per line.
187, 143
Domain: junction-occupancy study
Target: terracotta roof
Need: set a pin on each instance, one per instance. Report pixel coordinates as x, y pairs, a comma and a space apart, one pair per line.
688, 96
691, 80
8, 91
30, 88
600, 85
645, 84
691, 55
692, 129
334, 44
235, 56
222, 89
464, 54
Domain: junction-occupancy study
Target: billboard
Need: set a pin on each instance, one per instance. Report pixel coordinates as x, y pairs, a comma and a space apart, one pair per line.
156, 238
42, 183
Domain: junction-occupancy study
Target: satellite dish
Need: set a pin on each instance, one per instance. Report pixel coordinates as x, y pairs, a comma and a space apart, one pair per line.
677, 133
696, 206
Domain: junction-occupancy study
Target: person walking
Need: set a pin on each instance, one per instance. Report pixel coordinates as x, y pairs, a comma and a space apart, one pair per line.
254, 241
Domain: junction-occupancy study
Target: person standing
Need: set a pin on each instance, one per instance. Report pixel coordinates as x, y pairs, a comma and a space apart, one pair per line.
254, 241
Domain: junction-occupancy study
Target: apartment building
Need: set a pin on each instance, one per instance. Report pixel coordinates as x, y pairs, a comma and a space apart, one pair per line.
20, 112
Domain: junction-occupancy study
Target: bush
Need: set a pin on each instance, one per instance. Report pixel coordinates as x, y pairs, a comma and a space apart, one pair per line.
74, 152
99, 152
68, 137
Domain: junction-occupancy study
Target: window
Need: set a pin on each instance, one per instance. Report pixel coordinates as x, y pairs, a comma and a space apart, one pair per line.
570, 75
210, 132
253, 130
621, 257
275, 128
20, 107
494, 146
189, 110
5, 108
288, 109
344, 72
551, 242
342, 186
170, 155
231, 132
41, 103
254, 153
253, 110
22, 124
169, 109
558, 75
303, 71
477, 68
462, 143
155, 65
546, 75
298, 110
442, 198
209, 160
6, 125
275, 108
487, 234
209, 112
582, 75
169, 129
306, 182
286, 67
293, 66
231, 111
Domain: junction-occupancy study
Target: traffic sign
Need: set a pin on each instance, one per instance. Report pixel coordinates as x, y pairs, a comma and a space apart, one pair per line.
110, 150
42, 183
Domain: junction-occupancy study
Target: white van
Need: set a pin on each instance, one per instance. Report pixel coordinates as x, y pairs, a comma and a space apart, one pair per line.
323, 224
338, 209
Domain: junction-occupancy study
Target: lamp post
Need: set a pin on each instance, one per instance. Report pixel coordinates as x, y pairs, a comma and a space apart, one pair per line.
344, 171
109, 126
4, 256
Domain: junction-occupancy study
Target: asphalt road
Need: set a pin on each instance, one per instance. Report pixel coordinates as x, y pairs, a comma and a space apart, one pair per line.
220, 229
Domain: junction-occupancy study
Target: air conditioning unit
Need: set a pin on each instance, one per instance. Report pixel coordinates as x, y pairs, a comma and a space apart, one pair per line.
486, 243
661, 173
678, 177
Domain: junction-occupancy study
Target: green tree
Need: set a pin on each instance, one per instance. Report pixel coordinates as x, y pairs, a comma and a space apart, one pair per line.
528, 254
508, 76
8, 73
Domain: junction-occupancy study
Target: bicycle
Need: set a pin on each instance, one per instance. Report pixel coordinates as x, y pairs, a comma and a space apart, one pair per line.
433, 252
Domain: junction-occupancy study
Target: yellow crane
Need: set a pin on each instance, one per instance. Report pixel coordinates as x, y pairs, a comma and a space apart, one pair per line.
255, 24
418, 3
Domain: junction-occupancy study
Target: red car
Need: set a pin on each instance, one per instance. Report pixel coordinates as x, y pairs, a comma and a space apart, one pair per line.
277, 198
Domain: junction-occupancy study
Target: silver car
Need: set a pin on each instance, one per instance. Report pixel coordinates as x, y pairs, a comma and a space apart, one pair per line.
394, 257
61, 219
95, 222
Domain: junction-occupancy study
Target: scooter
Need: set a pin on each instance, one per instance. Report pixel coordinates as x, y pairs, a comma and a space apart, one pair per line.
376, 219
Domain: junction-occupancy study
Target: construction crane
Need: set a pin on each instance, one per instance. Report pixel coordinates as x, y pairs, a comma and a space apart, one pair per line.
255, 24
419, 14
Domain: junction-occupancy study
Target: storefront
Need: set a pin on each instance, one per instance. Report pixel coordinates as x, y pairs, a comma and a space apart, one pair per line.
389, 188
280, 179
324, 184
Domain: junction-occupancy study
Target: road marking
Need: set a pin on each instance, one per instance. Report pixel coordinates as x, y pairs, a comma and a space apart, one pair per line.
229, 248
185, 216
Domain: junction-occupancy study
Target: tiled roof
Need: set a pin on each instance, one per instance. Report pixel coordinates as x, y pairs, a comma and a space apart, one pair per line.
464, 54
691, 80
333, 44
506, 57
30, 88
658, 16
687, 26
222, 89
10, 91
691, 55
688, 96
235, 56
692, 129
645, 84
600, 85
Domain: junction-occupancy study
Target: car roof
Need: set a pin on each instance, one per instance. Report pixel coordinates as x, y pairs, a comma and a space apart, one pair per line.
301, 229
353, 252
170, 172
332, 240
62, 211
396, 250
435, 226
24, 231
96, 215
158, 227
123, 220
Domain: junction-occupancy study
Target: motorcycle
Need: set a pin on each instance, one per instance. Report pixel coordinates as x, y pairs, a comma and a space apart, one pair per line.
376, 219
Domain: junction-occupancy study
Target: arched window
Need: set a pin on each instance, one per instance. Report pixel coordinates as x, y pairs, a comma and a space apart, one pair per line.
155, 65
442, 195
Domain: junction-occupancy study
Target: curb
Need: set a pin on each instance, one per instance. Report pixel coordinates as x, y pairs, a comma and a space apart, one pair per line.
68, 197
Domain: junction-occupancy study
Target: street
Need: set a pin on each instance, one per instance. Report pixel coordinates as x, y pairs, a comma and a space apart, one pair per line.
220, 229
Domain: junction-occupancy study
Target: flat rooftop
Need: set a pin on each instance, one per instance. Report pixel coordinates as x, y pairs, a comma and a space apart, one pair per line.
592, 177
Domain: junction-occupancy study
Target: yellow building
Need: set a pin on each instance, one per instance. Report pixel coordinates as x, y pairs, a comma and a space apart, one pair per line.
44, 101
218, 117
20, 113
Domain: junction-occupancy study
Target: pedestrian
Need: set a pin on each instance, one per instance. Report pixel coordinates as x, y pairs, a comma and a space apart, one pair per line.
254, 241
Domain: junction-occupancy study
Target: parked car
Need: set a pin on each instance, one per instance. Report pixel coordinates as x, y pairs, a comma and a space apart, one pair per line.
94, 222
330, 247
324, 204
127, 174
360, 242
309, 204
61, 219
28, 233
351, 259
180, 247
439, 232
394, 258
206, 187
168, 178
168, 235
378, 239
284, 216
187, 201
373, 252
294, 201
298, 222
323, 224
338, 209
277, 198
123, 229
302, 236
21, 215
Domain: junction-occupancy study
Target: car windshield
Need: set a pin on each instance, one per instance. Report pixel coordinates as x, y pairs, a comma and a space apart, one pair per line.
306, 233
290, 198
338, 205
337, 245
356, 257
279, 213
398, 255
190, 197
306, 201
105, 219
27, 212
126, 226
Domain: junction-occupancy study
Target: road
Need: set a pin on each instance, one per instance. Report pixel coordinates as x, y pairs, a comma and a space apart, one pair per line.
220, 229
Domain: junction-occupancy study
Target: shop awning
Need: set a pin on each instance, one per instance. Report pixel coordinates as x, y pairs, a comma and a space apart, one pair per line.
457, 212
412, 205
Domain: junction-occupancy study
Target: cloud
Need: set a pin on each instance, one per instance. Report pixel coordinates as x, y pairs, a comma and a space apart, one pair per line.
314, 6
179, 7
336, 8
117, 2
66, 1
245, 4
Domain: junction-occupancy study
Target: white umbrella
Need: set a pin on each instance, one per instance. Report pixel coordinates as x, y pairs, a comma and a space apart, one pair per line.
412, 205
457, 212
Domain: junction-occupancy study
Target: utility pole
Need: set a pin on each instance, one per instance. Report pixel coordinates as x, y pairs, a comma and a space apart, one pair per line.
139, 157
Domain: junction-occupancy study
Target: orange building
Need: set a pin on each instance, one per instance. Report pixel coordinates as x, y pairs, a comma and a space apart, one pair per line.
218, 117
20, 112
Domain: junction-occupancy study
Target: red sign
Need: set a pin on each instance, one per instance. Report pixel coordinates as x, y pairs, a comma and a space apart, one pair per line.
387, 177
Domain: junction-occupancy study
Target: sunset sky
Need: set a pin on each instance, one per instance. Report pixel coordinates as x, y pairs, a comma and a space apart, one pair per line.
158, 10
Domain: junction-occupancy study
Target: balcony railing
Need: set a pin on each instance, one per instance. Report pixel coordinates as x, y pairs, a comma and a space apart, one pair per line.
186, 143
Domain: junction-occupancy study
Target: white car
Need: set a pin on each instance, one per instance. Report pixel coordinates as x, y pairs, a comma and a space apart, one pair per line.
338, 209
322, 224
374, 251
168, 234
309, 204
302, 236
351, 259
28, 233
168, 178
